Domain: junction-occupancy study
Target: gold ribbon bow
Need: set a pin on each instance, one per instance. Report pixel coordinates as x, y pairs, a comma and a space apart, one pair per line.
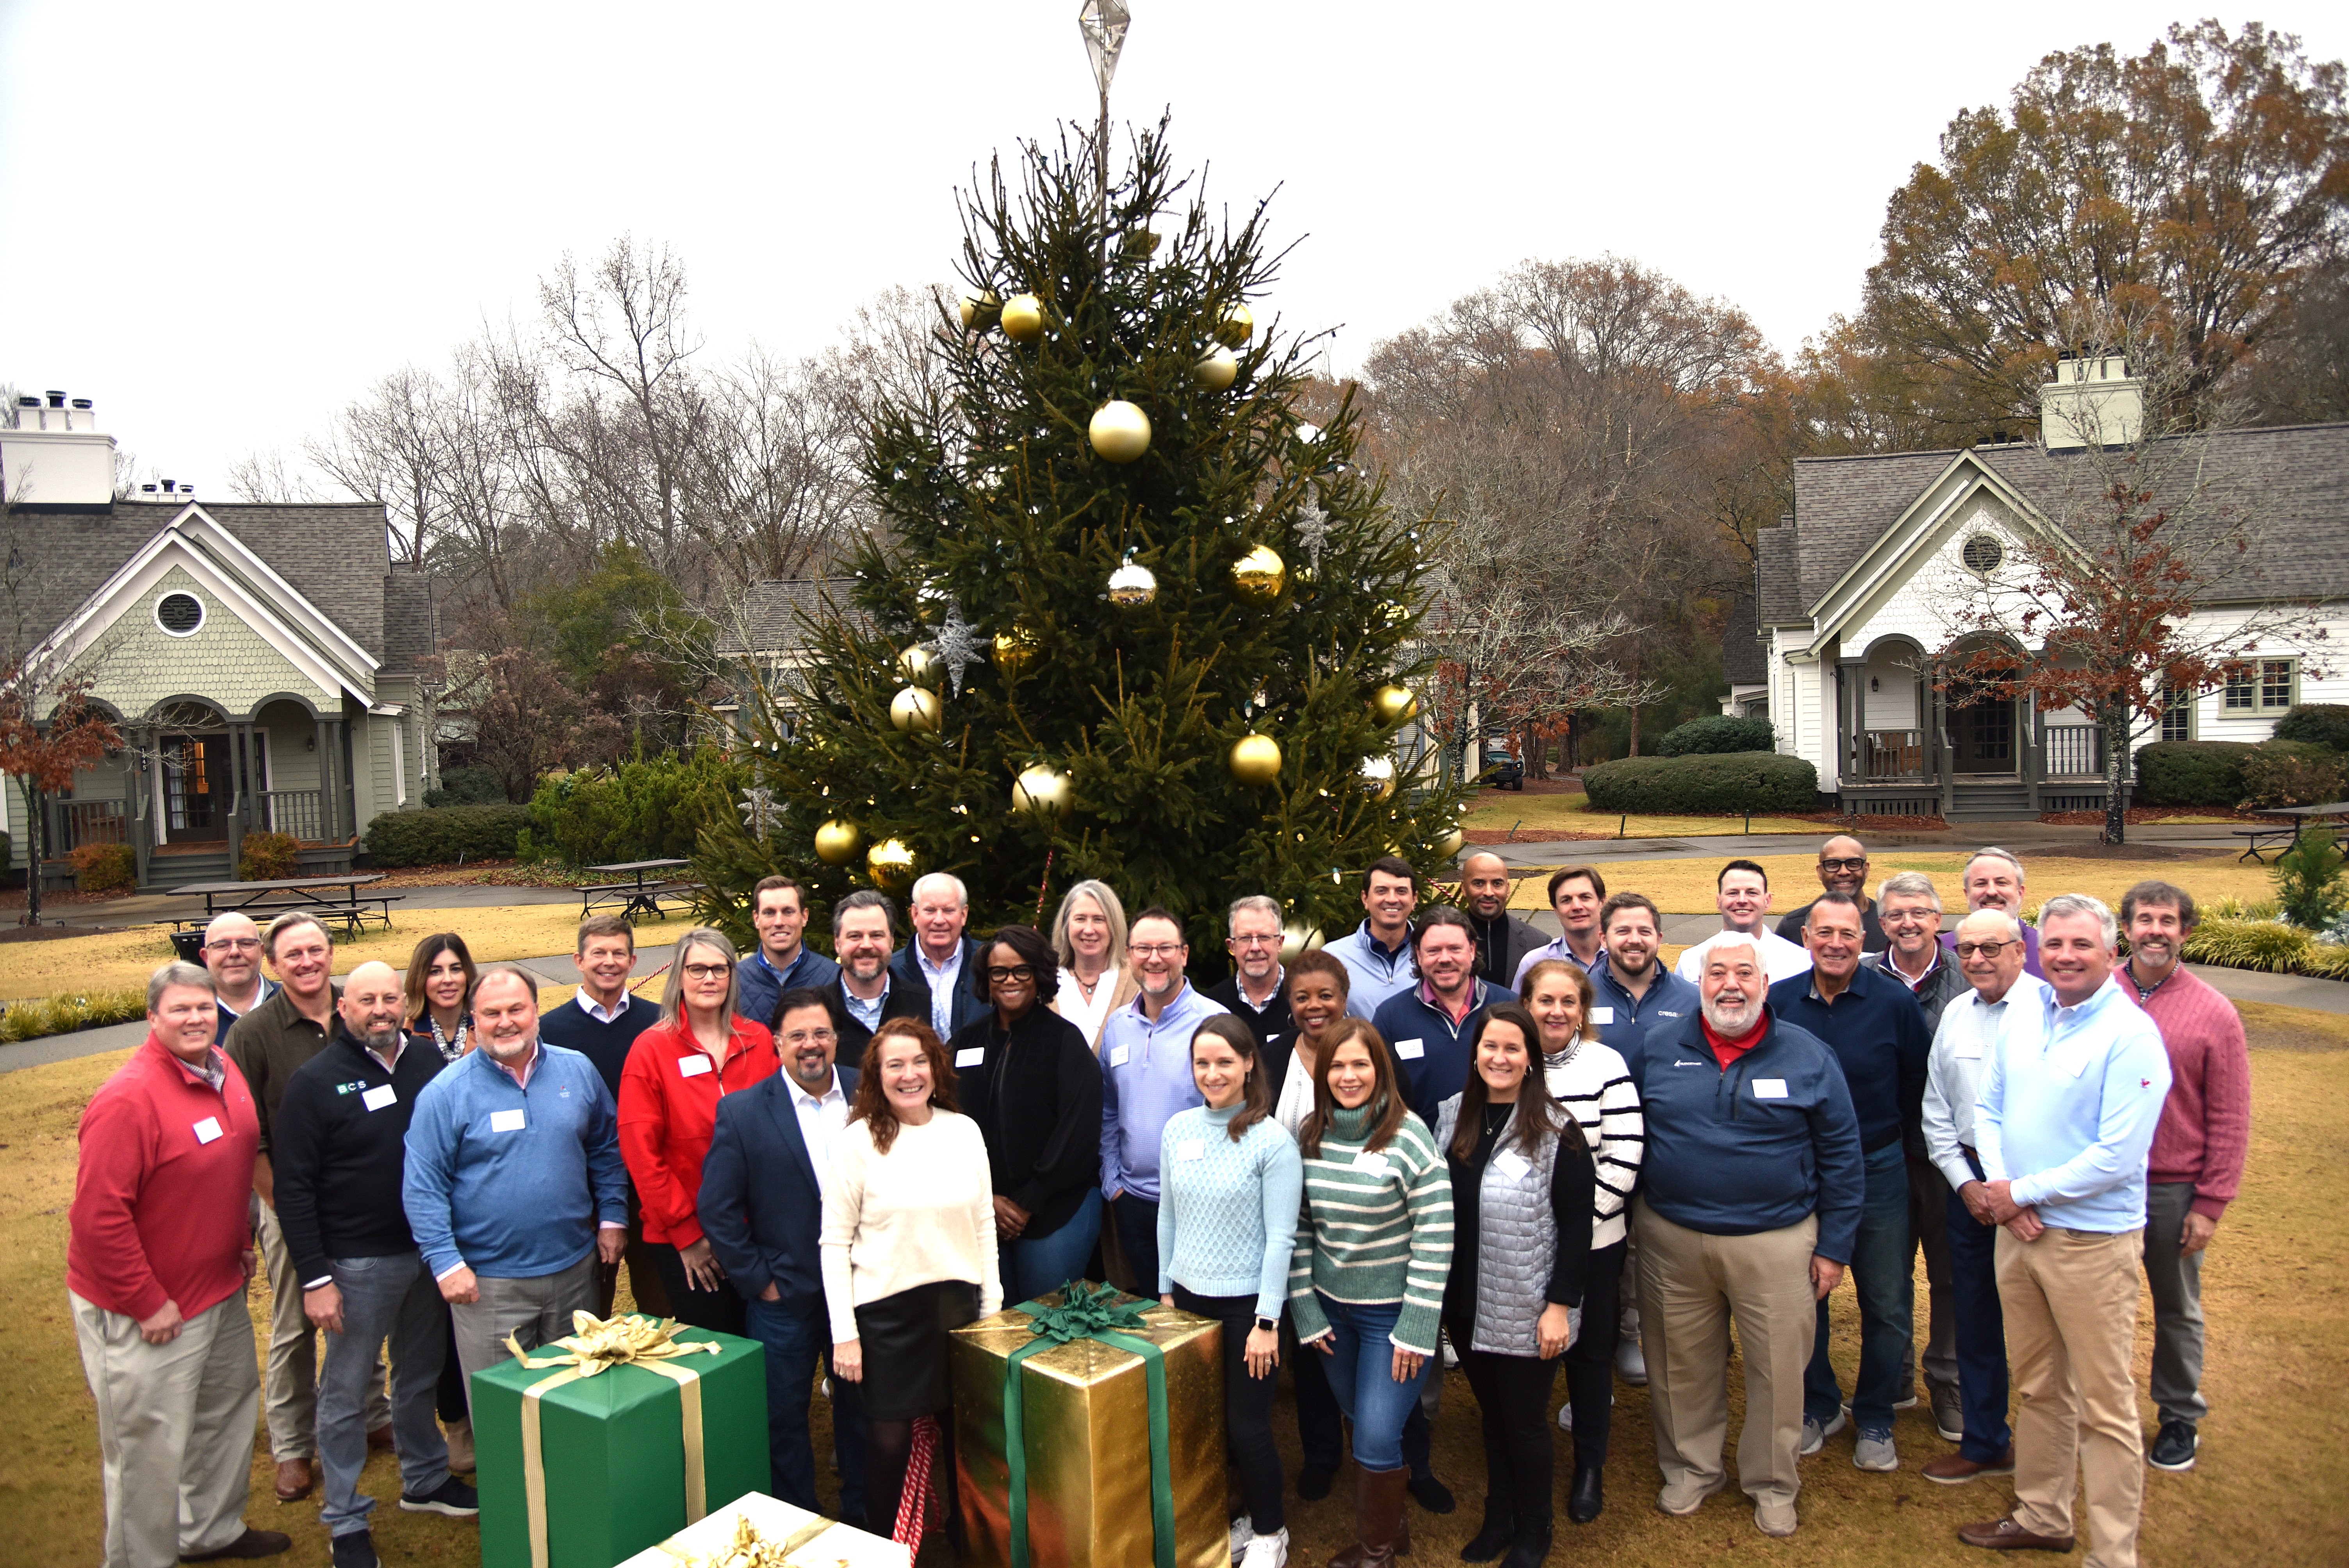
749, 1549
595, 1344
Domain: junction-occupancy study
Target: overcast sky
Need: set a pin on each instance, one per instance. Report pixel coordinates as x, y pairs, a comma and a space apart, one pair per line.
224, 222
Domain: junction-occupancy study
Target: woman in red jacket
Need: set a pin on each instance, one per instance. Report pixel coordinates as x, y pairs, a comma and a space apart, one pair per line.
677, 1071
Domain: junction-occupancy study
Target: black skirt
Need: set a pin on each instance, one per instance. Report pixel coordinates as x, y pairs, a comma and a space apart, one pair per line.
904, 1338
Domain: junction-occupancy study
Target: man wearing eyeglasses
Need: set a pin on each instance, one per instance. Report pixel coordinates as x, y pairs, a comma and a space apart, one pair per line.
1258, 992
1843, 868
761, 1207
1145, 1056
2001, 998
233, 955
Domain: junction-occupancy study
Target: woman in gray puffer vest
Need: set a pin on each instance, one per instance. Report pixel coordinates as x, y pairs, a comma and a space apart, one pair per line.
1522, 1188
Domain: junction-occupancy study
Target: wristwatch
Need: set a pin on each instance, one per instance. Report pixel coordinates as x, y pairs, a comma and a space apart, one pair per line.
1269, 1324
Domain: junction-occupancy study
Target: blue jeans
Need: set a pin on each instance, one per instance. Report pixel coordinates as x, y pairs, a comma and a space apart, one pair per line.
1031, 1268
1881, 1278
1361, 1374
390, 1298
1981, 1333
797, 1342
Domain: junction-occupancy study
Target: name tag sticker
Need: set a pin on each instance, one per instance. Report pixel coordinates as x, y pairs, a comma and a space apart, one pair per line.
1118, 1055
1191, 1149
692, 1067
1967, 1050
1410, 1051
1372, 1164
506, 1120
1603, 1016
1512, 1165
378, 1097
208, 1129
970, 1056
1769, 1088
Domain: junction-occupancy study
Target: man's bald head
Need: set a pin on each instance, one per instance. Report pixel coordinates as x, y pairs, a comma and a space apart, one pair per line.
233, 952
1843, 866
372, 1006
1485, 884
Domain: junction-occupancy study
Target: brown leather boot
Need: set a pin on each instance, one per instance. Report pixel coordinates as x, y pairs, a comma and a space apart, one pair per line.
1378, 1519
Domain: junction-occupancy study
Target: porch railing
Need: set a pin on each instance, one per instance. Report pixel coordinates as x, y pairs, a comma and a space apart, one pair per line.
1892, 756
80, 822
2076, 751
300, 812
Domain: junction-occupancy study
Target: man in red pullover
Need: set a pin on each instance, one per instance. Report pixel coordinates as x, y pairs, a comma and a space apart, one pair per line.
157, 1252
2196, 1164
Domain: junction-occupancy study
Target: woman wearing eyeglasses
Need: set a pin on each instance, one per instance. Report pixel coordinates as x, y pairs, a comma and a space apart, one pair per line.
1029, 1079
677, 1071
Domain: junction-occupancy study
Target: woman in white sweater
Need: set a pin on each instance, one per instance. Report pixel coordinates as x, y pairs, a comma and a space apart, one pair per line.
908, 1249
1590, 1081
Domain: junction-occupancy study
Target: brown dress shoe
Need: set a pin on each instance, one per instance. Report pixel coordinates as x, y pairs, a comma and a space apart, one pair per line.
295, 1480
252, 1543
381, 1436
1953, 1469
2005, 1535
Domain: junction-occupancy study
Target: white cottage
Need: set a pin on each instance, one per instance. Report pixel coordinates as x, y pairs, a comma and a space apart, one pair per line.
263, 662
1856, 598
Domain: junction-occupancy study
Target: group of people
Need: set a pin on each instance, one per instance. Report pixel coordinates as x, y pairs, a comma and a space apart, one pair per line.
1439, 1138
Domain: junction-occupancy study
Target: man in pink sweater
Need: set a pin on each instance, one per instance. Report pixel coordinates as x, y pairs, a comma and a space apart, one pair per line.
157, 1252
2196, 1164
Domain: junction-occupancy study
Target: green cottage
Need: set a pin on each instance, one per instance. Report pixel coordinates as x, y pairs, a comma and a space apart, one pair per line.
613, 1450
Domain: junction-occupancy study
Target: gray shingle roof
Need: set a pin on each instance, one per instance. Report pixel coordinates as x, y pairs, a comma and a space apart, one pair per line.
771, 613
1742, 657
411, 627
1777, 598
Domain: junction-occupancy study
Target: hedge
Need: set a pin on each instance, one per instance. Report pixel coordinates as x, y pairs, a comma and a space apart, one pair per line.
2205, 772
1705, 785
2318, 723
1718, 734
649, 808
101, 868
441, 834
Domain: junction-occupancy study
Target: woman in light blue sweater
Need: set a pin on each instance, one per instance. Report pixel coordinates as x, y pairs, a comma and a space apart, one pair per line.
1230, 1182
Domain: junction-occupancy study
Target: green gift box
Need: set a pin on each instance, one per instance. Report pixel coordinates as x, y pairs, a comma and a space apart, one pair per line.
613, 1438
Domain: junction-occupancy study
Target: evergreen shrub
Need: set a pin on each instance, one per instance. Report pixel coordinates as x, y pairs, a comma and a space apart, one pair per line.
1703, 785
438, 835
1716, 733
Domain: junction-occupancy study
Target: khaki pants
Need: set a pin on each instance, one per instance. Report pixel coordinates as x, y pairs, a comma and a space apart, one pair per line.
174, 1430
533, 1312
291, 1397
2070, 1301
1693, 1286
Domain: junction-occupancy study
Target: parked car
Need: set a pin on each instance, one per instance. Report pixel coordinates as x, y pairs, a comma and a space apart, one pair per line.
1501, 771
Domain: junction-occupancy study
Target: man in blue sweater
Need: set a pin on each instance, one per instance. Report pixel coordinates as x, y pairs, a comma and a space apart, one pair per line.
1878, 1032
1145, 1055
1749, 1204
1430, 1026
781, 961
514, 1186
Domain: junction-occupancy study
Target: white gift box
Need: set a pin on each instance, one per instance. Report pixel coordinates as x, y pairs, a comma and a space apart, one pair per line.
820, 1543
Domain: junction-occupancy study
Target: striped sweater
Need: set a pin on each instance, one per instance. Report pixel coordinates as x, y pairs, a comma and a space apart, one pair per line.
1373, 1228
1595, 1088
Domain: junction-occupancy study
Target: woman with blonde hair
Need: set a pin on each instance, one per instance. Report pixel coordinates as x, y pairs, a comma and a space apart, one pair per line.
441, 975
908, 1249
1089, 940
677, 1072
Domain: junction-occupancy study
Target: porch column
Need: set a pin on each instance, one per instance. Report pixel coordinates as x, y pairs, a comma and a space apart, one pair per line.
1852, 676
1944, 764
134, 817
325, 755
2033, 756
240, 785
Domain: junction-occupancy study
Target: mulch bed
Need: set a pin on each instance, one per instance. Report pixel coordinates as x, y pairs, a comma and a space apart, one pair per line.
487, 874
2138, 815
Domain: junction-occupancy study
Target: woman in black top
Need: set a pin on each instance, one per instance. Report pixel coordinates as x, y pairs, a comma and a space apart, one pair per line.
1033, 1084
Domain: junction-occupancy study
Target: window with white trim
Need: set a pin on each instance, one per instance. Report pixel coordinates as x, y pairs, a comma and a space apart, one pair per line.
2177, 713
2262, 686
398, 766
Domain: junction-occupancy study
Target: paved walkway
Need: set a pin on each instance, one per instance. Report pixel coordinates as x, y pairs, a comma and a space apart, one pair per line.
150, 908
2043, 838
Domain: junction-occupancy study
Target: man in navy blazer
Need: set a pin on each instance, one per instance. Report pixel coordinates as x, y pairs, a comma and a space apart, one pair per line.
761, 1206
940, 956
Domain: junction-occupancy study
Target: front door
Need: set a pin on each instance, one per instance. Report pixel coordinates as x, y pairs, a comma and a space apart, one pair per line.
195, 788
1981, 736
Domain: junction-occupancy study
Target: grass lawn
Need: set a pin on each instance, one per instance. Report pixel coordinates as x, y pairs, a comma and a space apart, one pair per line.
125, 958
1555, 814
2272, 1486
1685, 886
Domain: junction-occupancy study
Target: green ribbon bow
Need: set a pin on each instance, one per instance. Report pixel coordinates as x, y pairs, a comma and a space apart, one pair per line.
1089, 1312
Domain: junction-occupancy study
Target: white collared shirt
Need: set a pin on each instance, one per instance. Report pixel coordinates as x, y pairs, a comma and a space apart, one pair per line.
942, 977
595, 1010
1969, 1033
822, 1117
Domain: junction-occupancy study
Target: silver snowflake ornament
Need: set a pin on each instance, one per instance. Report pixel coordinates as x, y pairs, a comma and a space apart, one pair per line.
760, 812
957, 644
1313, 530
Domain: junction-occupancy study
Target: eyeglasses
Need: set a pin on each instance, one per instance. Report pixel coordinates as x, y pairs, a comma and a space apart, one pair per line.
999, 974
1987, 949
1253, 941
705, 971
809, 1038
236, 944
1154, 949
1846, 864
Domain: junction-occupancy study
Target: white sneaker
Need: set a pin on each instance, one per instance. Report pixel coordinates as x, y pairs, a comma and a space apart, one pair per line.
1243, 1532
1816, 1434
1565, 1414
1451, 1356
1267, 1551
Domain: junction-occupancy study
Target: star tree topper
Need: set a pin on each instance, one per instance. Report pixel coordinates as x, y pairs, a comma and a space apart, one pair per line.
1103, 23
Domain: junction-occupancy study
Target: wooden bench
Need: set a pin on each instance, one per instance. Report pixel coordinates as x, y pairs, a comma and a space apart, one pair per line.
2260, 838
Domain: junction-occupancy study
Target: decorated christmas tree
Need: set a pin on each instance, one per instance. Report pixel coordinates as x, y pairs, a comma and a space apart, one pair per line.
1130, 618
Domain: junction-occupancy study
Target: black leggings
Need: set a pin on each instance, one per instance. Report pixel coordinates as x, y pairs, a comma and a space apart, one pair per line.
719, 1309
1590, 1359
1513, 1395
1247, 1407
453, 1402
889, 1450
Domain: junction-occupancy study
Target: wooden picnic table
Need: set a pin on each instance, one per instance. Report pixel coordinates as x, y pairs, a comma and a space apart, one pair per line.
309, 896
2335, 812
636, 895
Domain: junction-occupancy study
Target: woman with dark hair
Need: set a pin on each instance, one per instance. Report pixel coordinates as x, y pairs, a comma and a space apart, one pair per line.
1317, 986
1032, 1083
1366, 1280
1521, 1197
1230, 1182
1590, 1083
908, 1246
700, 1051
440, 983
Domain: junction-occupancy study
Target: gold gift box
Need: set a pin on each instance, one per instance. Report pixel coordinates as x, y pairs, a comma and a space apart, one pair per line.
1086, 1416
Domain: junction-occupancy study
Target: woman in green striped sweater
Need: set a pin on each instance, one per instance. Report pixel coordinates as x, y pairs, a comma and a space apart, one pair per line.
1366, 1282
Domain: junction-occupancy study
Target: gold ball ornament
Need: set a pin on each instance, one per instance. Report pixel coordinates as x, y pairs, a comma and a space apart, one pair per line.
1449, 844
891, 865
1393, 703
1259, 575
1023, 318
1377, 775
1237, 326
1044, 790
1217, 369
1256, 759
916, 663
978, 311
1015, 648
1132, 586
836, 842
916, 709
1120, 431
1297, 940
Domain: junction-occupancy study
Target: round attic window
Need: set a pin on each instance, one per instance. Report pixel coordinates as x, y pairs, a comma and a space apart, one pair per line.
1983, 554
180, 614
